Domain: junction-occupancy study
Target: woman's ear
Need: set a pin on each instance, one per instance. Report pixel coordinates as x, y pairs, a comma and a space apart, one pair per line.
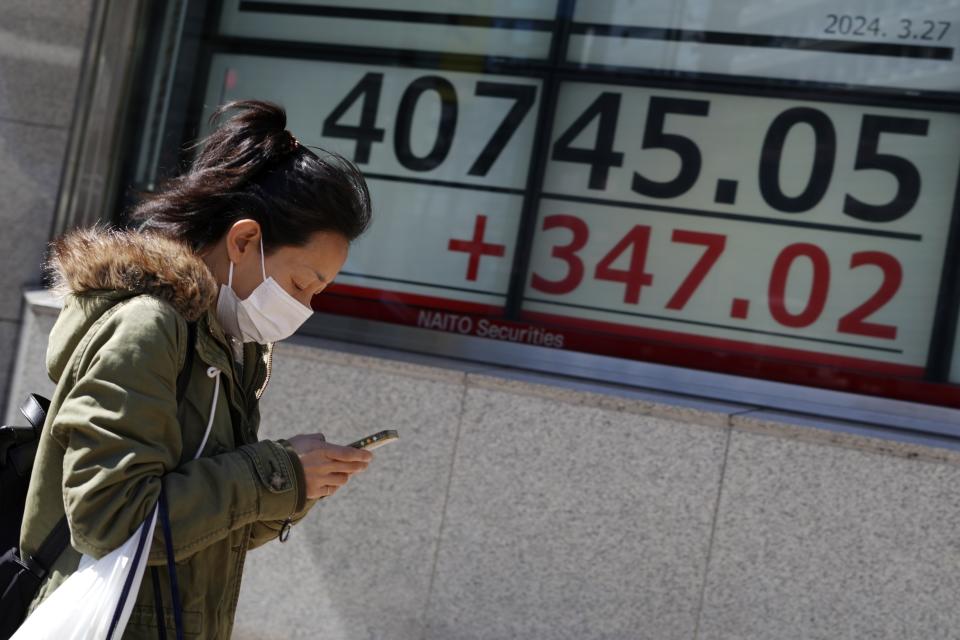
242, 237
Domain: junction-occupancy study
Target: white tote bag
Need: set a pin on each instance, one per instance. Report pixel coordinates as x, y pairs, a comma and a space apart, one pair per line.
93, 598
95, 602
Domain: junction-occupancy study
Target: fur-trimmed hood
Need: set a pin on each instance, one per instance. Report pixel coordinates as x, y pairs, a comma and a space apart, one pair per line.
101, 267
99, 259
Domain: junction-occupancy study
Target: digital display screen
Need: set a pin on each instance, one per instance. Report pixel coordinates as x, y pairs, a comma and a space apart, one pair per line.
892, 43
753, 187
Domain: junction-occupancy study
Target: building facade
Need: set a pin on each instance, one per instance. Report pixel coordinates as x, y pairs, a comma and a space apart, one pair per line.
661, 296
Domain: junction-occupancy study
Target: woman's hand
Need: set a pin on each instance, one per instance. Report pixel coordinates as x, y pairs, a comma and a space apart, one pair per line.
327, 467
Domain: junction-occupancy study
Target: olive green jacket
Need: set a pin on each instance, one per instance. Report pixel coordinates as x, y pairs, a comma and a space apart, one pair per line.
114, 430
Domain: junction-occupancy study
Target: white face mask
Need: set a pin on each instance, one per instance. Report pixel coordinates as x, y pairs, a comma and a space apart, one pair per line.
268, 315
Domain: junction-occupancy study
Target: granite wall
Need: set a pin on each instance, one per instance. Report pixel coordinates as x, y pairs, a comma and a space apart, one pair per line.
41, 47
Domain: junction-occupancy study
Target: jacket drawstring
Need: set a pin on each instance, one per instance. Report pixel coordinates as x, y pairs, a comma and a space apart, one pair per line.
212, 372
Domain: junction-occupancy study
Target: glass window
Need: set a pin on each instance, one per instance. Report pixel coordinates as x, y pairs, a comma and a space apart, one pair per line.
955, 361
754, 187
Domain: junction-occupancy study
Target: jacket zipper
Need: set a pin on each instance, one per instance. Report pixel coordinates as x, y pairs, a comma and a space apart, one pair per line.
266, 380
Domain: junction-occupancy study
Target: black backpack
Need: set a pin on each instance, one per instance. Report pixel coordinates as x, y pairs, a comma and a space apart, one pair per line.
21, 577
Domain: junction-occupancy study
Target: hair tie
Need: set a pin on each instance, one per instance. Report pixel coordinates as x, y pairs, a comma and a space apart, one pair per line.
294, 143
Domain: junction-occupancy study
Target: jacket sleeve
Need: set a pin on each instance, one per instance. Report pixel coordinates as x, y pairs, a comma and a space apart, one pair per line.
119, 427
266, 530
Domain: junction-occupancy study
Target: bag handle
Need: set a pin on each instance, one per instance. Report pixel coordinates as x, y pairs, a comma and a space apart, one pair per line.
182, 382
171, 566
172, 569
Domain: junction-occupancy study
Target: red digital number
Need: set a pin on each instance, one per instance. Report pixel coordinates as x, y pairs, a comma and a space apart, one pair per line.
855, 321
567, 253
818, 292
715, 243
637, 241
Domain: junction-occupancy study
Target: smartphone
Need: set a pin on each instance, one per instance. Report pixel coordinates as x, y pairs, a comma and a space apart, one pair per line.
376, 440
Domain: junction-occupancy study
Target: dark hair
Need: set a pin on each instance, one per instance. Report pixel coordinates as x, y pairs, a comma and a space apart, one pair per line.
252, 167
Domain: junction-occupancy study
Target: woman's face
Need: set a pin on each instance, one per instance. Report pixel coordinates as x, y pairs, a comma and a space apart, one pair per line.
303, 272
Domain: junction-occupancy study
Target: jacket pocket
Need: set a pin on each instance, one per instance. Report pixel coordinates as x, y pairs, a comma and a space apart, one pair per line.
143, 622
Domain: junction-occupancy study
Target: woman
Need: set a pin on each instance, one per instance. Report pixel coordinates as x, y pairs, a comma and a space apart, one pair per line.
238, 245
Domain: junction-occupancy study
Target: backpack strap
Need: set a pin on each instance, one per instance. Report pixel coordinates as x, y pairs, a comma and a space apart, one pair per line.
49, 551
35, 410
20, 458
184, 378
